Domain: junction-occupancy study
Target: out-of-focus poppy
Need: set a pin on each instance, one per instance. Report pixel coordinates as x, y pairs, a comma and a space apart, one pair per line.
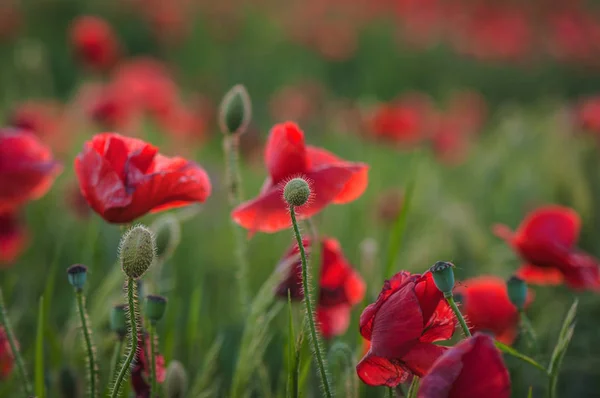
473, 368
409, 315
44, 119
332, 180
141, 372
12, 238
6, 357
340, 286
546, 241
486, 305
27, 168
588, 114
124, 178
94, 42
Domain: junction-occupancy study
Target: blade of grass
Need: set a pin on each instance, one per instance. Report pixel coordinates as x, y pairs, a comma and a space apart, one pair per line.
414, 388
511, 351
291, 357
397, 233
39, 353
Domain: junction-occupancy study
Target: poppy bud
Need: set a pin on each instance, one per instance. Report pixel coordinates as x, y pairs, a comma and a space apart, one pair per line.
443, 276
235, 110
176, 381
155, 307
296, 192
77, 274
118, 320
517, 291
137, 251
168, 235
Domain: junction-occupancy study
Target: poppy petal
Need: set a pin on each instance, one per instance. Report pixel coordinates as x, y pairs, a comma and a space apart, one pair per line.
429, 296
441, 324
551, 224
285, 152
12, 238
583, 272
421, 356
379, 371
334, 320
540, 275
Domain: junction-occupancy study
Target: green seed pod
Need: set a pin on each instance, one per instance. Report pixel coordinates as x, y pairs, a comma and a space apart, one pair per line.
443, 276
137, 251
77, 275
118, 320
517, 291
155, 307
235, 110
176, 381
296, 192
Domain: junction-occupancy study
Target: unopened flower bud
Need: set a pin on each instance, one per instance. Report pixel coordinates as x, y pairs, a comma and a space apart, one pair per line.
443, 276
137, 251
517, 291
176, 381
155, 307
77, 275
296, 192
235, 110
168, 235
118, 320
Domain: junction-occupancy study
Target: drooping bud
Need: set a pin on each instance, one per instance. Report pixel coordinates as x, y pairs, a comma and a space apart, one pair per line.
167, 231
296, 192
176, 381
77, 275
517, 291
137, 251
155, 307
118, 320
443, 276
235, 110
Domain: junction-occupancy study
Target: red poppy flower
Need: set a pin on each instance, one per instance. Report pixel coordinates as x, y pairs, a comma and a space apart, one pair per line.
546, 241
487, 307
141, 372
94, 42
6, 357
124, 178
27, 168
588, 114
12, 238
341, 287
332, 180
408, 316
44, 119
473, 368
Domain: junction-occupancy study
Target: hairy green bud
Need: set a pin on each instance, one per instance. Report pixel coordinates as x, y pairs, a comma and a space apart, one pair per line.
176, 381
137, 251
235, 110
296, 192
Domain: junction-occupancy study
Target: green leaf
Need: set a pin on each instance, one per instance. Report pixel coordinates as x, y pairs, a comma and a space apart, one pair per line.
39, 353
414, 388
564, 338
291, 359
397, 234
511, 351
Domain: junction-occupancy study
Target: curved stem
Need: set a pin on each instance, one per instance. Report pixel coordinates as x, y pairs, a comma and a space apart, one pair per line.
309, 309
154, 390
4, 321
87, 335
115, 358
133, 333
458, 314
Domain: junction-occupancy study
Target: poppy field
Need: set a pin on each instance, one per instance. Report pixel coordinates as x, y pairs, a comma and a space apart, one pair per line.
390, 198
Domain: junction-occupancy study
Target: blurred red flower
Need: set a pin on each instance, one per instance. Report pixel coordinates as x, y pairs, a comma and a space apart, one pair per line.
546, 241
340, 286
487, 308
332, 180
124, 178
12, 238
94, 42
43, 118
474, 368
6, 357
588, 114
27, 168
141, 372
409, 315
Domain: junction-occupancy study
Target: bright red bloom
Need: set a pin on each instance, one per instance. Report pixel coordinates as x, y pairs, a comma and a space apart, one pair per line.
94, 42
124, 178
486, 306
332, 180
141, 372
409, 315
473, 368
27, 168
12, 238
6, 357
340, 286
546, 241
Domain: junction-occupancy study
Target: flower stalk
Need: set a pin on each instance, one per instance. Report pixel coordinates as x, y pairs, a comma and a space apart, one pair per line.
89, 345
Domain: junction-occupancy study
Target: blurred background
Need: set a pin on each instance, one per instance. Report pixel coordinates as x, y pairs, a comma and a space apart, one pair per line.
489, 108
